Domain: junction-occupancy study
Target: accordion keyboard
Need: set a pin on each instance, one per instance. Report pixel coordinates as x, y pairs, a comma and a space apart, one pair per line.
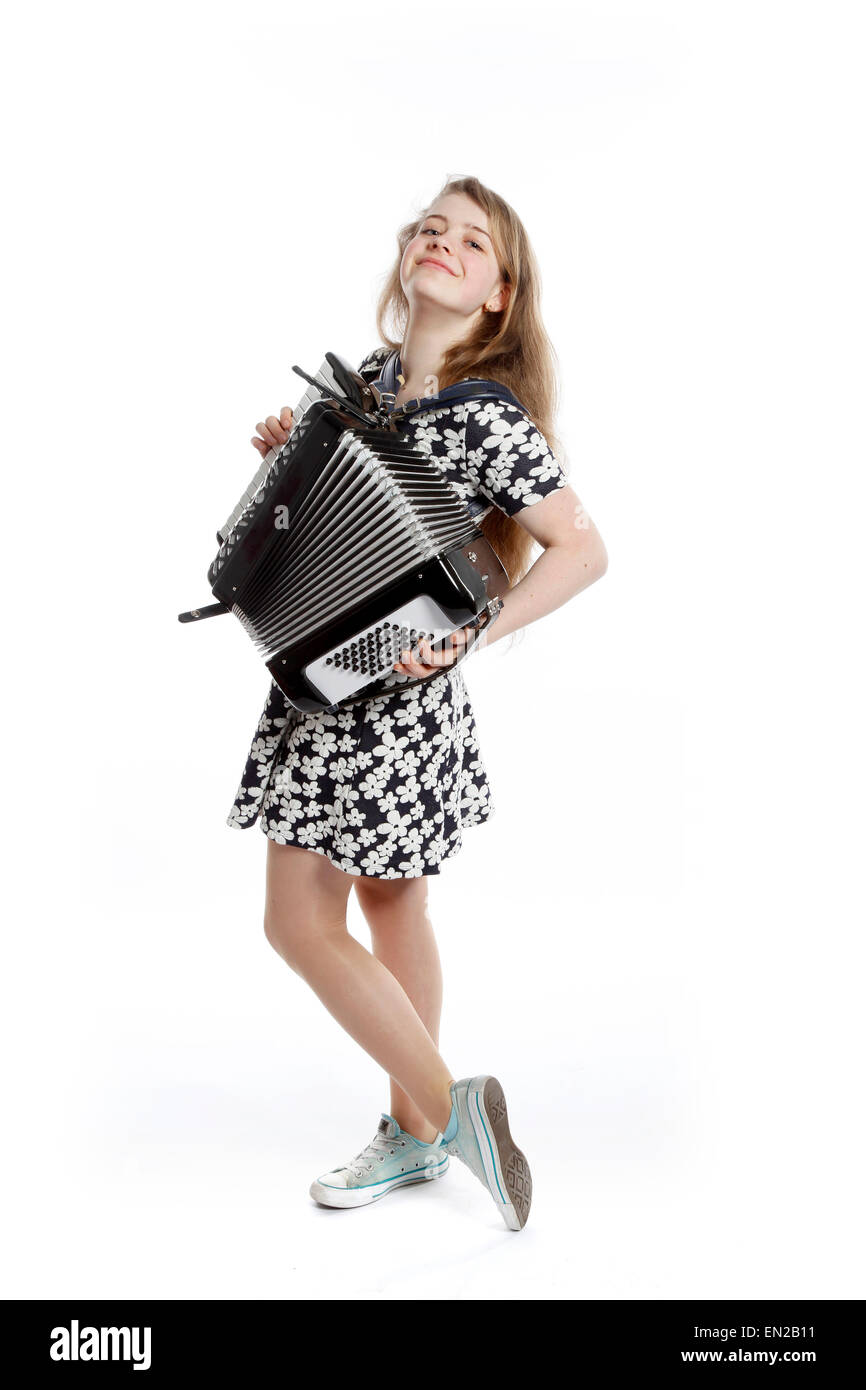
371, 653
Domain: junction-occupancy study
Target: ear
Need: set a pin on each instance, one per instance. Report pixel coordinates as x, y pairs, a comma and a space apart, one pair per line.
497, 301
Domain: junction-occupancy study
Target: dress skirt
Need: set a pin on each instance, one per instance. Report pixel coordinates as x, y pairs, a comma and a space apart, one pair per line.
383, 787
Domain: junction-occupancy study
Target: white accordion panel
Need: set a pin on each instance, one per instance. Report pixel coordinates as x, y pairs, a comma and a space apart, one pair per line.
371, 653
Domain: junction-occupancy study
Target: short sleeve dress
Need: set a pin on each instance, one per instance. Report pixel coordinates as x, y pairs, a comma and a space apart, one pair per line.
385, 787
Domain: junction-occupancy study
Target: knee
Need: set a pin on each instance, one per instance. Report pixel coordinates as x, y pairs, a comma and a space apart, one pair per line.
305, 905
285, 931
389, 901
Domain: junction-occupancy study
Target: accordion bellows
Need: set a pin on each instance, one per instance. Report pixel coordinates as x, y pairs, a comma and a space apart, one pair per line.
349, 547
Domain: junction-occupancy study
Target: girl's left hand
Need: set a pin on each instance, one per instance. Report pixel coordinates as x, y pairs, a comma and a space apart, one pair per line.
431, 661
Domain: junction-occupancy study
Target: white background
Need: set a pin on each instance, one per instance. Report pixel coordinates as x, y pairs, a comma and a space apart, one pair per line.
656, 944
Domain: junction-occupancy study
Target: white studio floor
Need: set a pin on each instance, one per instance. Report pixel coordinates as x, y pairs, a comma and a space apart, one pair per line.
166, 1148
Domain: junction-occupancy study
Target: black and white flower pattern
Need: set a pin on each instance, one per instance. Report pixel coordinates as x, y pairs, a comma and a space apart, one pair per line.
386, 787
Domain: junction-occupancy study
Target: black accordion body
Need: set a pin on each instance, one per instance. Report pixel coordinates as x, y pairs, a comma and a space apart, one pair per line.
350, 545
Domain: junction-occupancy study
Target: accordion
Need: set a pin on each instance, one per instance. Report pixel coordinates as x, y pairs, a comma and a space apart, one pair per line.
350, 546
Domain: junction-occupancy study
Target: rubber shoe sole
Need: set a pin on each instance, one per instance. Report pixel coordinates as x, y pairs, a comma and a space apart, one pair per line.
506, 1170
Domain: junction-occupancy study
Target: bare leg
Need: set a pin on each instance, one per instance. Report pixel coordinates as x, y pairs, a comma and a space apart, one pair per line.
305, 922
403, 940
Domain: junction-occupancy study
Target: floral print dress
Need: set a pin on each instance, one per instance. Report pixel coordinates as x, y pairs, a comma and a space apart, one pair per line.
385, 787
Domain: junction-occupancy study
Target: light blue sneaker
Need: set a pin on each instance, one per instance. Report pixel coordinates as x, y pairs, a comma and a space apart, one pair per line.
482, 1140
391, 1159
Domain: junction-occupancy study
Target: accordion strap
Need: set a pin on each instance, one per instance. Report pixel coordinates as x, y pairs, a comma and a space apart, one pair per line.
473, 388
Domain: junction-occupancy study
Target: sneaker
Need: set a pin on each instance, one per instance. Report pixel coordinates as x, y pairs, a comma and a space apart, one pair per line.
392, 1159
484, 1143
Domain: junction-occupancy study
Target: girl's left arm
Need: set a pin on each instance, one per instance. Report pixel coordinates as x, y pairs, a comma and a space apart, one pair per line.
574, 556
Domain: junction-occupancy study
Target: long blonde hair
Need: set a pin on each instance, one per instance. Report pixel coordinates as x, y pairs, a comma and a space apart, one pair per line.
510, 346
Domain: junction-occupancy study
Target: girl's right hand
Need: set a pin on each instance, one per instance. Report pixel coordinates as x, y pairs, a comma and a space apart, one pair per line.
273, 432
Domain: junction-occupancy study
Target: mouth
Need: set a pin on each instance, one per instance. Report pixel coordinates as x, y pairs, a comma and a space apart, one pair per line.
438, 265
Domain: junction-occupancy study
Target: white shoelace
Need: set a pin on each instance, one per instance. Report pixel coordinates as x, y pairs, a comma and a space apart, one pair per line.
376, 1150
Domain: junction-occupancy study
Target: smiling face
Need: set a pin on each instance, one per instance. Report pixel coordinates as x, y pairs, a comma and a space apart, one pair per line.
455, 233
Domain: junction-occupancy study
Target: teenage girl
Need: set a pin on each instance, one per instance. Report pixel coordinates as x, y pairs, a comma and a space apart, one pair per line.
377, 794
